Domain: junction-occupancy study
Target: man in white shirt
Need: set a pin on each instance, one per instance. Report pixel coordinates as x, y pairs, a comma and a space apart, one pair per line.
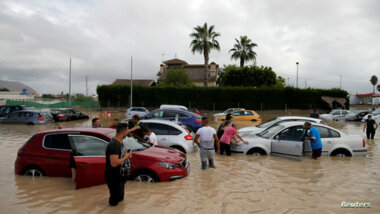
150, 137
205, 138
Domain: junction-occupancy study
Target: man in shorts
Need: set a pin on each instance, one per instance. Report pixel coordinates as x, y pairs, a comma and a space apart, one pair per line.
315, 140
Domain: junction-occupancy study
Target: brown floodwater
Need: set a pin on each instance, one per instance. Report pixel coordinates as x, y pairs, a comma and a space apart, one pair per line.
239, 184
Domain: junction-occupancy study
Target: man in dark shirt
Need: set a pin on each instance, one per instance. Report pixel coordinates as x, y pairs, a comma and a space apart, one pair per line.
135, 126
117, 165
371, 126
314, 114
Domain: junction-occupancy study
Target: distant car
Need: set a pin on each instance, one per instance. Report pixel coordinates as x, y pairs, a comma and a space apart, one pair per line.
169, 106
286, 140
170, 134
334, 114
140, 111
28, 117
6, 109
230, 110
253, 130
195, 110
353, 116
375, 113
67, 114
190, 119
48, 154
243, 115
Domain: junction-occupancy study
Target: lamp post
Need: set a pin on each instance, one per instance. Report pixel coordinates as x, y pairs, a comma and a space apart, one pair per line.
70, 84
297, 63
131, 95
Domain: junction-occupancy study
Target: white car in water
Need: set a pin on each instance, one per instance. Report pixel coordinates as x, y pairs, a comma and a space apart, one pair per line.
140, 111
230, 110
286, 140
375, 115
334, 114
253, 130
172, 134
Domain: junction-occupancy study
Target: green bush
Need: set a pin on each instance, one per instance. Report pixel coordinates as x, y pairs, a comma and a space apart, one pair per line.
218, 98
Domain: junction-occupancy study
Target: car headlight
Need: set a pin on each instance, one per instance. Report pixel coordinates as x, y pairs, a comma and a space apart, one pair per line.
168, 165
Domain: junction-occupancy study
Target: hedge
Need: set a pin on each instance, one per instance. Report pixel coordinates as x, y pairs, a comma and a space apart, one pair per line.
217, 98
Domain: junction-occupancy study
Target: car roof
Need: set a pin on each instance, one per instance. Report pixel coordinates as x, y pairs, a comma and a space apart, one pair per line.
167, 122
80, 129
35, 111
298, 117
297, 123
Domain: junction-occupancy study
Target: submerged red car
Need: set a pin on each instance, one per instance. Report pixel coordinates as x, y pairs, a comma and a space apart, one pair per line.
48, 154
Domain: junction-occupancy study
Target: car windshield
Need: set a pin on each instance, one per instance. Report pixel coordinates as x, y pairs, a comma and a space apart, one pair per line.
352, 113
268, 133
268, 123
132, 143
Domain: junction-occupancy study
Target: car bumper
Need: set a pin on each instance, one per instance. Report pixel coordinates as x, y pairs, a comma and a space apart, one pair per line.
19, 165
174, 174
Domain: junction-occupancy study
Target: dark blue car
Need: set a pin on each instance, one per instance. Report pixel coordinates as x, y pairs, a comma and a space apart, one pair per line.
190, 119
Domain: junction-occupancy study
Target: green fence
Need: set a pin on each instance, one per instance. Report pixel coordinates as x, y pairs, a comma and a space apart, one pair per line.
63, 104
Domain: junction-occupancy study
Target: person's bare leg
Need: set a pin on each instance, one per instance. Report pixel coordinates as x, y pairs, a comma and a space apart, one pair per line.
73, 174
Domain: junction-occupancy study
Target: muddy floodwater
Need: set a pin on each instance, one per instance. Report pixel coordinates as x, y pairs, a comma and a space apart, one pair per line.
239, 184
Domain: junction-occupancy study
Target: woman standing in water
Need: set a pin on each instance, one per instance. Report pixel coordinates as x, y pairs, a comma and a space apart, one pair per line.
225, 140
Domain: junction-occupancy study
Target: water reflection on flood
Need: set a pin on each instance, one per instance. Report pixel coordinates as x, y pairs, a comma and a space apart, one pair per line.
239, 184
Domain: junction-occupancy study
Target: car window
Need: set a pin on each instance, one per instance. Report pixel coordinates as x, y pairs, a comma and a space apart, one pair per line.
57, 141
16, 108
248, 113
156, 114
2, 109
323, 132
334, 134
170, 113
76, 111
295, 133
238, 113
15, 114
182, 115
173, 131
270, 132
8, 109
158, 129
88, 145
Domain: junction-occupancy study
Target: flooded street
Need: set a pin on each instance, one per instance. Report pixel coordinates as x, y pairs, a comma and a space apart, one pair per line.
239, 184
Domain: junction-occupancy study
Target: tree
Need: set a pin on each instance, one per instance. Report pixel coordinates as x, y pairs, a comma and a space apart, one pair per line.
373, 81
4, 89
280, 82
243, 50
203, 41
177, 78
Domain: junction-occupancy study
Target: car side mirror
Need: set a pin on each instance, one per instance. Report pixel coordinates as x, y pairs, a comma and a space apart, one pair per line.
277, 137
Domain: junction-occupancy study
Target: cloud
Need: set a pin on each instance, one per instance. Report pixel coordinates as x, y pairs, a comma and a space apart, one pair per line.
328, 38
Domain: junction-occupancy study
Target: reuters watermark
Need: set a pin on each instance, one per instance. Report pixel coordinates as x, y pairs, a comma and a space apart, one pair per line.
349, 204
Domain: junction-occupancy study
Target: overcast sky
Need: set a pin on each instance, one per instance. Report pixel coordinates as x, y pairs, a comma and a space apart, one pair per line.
328, 38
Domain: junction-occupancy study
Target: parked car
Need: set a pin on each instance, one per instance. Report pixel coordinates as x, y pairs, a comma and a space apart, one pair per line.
6, 109
230, 110
48, 154
140, 111
28, 117
67, 114
243, 115
353, 116
375, 113
190, 119
169, 106
253, 130
171, 134
334, 114
286, 140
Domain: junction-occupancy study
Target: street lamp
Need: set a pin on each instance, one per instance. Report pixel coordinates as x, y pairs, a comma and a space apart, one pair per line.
297, 63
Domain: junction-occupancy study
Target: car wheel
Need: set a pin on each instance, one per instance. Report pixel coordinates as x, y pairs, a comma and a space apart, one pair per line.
256, 152
146, 177
34, 172
341, 153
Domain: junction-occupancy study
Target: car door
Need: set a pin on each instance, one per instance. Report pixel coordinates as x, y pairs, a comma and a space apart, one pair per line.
289, 143
159, 114
161, 131
89, 159
238, 115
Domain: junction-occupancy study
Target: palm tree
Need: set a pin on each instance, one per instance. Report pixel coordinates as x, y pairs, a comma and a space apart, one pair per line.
243, 50
373, 81
203, 40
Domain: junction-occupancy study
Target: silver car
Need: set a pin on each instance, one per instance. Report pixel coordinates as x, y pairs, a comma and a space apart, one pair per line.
230, 110
171, 134
286, 140
334, 114
140, 111
28, 117
253, 130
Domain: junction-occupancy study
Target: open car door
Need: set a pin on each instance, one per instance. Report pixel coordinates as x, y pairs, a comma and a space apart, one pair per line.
89, 159
289, 143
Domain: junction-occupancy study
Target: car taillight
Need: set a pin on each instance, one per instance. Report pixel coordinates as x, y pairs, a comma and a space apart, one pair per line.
198, 121
189, 137
60, 115
40, 118
363, 143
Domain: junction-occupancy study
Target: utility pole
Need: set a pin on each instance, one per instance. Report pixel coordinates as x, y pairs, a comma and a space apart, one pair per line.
70, 84
340, 84
87, 86
297, 74
131, 81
